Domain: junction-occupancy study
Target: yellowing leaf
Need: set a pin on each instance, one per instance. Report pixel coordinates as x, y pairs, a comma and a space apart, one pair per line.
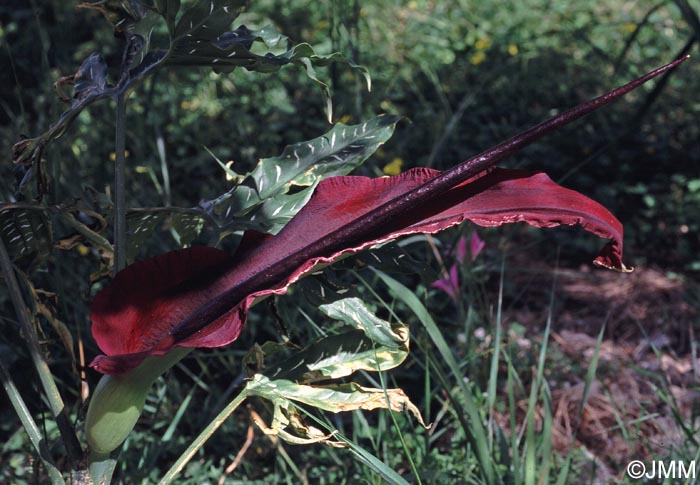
334, 398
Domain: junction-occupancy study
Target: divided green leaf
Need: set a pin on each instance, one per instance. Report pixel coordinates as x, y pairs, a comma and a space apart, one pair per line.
374, 345
263, 200
26, 234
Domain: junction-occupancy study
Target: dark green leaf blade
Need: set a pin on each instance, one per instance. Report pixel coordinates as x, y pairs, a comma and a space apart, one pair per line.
263, 202
207, 20
168, 9
26, 234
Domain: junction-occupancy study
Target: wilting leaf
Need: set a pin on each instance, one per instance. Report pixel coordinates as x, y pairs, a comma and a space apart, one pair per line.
91, 78
287, 416
44, 303
121, 14
334, 398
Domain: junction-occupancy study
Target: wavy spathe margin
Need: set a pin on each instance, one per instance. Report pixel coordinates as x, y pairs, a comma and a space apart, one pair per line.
184, 298
186, 306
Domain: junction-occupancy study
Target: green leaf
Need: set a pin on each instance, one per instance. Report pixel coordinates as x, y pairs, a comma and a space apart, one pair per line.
390, 258
207, 20
373, 345
119, 13
337, 152
187, 225
26, 234
142, 31
323, 286
354, 312
142, 223
263, 202
168, 9
305, 55
339, 356
208, 45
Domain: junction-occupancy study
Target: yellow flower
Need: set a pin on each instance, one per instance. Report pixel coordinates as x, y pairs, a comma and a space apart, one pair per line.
483, 43
186, 105
345, 118
513, 49
82, 249
629, 27
477, 58
413, 5
393, 167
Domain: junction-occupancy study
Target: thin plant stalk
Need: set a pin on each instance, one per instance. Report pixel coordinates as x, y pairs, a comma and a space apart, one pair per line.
30, 426
495, 357
477, 433
120, 185
53, 396
202, 438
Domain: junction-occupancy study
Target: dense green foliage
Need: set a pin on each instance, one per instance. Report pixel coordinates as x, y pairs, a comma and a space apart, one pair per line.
465, 75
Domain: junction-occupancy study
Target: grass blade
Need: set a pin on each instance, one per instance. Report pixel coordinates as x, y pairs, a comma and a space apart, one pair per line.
590, 375
477, 434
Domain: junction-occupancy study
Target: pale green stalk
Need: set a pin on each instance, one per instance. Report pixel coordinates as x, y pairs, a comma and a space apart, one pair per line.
53, 396
199, 441
30, 426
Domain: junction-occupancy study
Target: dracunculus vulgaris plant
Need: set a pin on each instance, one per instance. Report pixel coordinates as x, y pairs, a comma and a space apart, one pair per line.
156, 310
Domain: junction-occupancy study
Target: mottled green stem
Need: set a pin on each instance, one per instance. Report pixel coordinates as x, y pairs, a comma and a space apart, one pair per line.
120, 185
53, 396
